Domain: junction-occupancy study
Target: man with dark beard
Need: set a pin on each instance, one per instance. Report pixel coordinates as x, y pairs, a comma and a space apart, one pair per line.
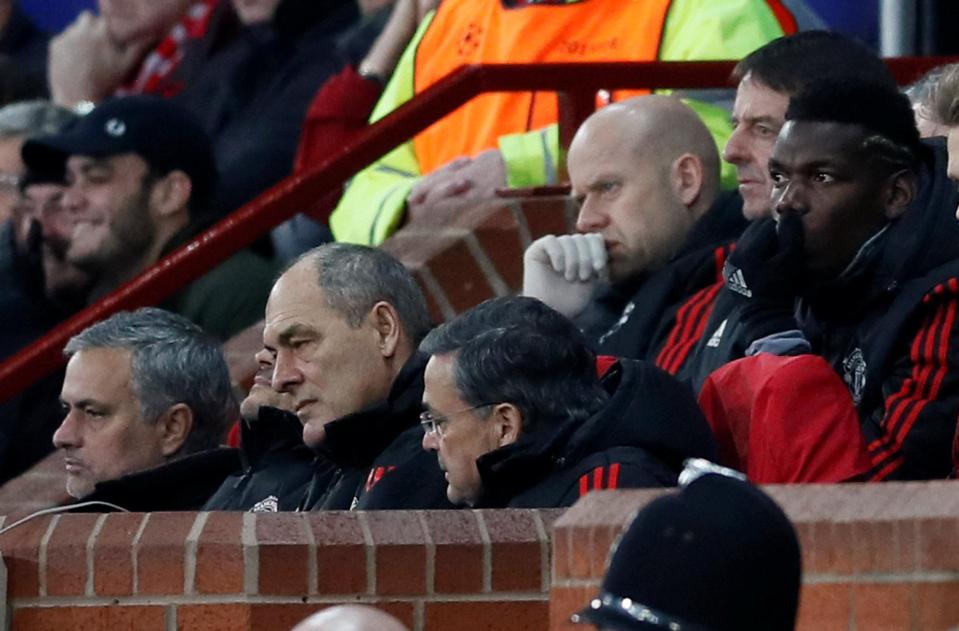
139, 173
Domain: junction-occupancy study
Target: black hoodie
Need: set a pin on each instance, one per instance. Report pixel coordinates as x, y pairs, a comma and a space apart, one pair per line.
639, 439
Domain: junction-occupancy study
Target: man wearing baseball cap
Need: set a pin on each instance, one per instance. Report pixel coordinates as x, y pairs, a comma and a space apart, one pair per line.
139, 174
719, 555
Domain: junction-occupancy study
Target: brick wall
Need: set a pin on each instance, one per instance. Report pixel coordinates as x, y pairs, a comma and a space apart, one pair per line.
875, 557
464, 570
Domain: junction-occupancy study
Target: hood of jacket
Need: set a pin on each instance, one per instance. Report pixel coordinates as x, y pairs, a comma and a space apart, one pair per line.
647, 409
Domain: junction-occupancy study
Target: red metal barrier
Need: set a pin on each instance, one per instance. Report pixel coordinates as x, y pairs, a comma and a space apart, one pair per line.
577, 84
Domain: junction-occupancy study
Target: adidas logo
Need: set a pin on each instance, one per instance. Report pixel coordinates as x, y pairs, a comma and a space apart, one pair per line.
717, 337
737, 282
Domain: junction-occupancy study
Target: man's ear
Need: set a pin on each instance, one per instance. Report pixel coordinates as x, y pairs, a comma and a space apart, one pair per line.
898, 193
171, 193
174, 426
686, 178
507, 420
387, 327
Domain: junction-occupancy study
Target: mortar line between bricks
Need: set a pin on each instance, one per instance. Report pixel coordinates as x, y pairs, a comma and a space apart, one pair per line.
487, 552
91, 543
232, 599
430, 554
169, 615
885, 577
577, 583
436, 291
189, 552
419, 616
134, 552
312, 567
496, 282
545, 572
370, 552
42, 556
522, 226
251, 554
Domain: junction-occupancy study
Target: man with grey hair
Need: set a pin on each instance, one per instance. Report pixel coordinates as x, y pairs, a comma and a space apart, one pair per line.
342, 325
144, 389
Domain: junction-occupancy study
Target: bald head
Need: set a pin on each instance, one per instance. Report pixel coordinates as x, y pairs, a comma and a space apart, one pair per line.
350, 618
646, 169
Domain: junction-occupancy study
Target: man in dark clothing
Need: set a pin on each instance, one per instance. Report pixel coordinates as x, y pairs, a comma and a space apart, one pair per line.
518, 416
858, 266
147, 399
342, 325
650, 221
140, 173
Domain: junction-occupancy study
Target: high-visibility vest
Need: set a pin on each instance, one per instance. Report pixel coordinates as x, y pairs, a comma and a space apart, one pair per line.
592, 30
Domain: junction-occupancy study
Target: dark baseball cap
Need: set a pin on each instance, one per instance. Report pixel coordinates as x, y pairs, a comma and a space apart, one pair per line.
719, 555
161, 132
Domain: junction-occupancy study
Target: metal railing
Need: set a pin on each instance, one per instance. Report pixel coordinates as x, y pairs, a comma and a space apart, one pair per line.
576, 84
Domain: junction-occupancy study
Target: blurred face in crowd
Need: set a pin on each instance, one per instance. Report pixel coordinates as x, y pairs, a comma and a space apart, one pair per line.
952, 143
626, 197
462, 433
109, 202
758, 114
11, 170
103, 435
255, 11
843, 197
132, 21
328, 367
261, 392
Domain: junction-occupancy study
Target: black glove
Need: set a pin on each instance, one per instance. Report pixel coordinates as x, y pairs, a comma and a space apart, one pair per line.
767, 264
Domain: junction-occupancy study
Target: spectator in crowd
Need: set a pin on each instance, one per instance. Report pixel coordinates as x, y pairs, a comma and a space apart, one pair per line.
650, 221
859, 266
719, 554
23, 49
275, 465
350, 618
946, 102
140, 174
922, 95
145, 389
519, 417
131, 47
342, 324
500, 140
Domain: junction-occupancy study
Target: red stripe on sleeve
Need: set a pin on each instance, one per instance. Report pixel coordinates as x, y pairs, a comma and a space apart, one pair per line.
583, 485
613, 476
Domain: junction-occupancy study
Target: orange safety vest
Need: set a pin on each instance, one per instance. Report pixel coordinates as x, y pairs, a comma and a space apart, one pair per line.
484, 31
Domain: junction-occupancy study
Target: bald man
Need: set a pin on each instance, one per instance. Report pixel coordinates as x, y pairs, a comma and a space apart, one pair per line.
652, 231
350, 618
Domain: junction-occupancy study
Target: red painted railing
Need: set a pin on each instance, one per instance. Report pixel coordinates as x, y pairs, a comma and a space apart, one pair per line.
576, 84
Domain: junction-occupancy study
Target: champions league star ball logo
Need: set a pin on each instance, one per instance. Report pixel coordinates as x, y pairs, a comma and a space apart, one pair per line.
854, 374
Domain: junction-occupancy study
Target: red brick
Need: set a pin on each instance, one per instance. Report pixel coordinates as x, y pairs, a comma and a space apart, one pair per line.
546, 216
564, 602
498, 236
458, 551
340, 551
160, 553
529, 615
937, 606
832, 552
516, 555
603, 539
67, 555
824, 607
284, 553
562, 550
400, 552
112, 617
883, 606
113, 555
21, 554
219, 555
221, 616
459, 274
938, 544
277, 617
432, 306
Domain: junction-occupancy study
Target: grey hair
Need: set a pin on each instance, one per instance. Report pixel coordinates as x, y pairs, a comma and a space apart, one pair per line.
33, 118
355, 277
173, 361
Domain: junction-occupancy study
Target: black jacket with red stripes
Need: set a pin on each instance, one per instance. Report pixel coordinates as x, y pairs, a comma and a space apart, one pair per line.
888, 327
661, 316
639, 439
374, 459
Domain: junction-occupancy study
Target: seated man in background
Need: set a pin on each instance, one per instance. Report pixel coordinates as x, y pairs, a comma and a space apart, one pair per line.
719, 555
139, 173
147, 398
519, 417
653, 231
342, 326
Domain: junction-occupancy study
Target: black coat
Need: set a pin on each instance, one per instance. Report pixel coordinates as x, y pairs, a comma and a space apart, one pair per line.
640, 438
